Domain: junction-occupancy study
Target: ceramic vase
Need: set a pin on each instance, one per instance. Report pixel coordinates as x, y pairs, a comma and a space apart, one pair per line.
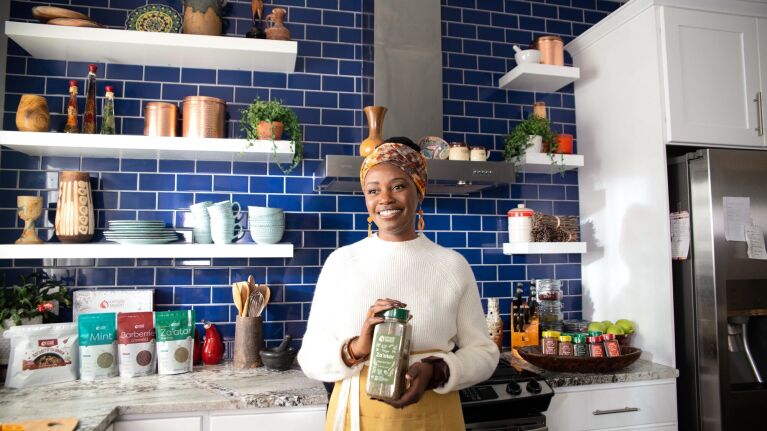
375, 116
203, 17
275, 27
74, 212
494, 322
29, 209
32, 114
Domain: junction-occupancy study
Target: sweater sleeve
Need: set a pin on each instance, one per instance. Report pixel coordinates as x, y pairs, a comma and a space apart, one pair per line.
477, 356
320, 354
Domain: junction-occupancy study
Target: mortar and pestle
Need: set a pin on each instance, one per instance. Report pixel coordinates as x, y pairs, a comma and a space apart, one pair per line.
279, 358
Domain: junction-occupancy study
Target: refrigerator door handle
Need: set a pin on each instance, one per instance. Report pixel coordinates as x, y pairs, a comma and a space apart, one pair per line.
759, 114
611, 412
744, 334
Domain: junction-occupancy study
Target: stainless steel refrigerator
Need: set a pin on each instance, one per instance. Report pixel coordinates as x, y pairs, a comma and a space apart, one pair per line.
720, 294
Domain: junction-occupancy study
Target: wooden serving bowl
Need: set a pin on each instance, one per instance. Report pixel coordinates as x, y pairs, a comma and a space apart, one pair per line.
46, 13
577, 364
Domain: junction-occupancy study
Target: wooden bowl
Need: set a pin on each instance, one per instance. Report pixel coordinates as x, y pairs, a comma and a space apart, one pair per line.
75, 22
573, 364
45, 13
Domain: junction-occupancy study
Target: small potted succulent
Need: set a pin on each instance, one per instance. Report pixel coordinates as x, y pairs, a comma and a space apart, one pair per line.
269, 119
532, 134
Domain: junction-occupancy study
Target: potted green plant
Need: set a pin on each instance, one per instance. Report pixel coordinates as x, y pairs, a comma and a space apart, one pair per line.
269, 119
534, 131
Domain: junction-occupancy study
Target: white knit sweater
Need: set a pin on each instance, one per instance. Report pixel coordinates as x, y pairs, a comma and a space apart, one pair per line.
440, 291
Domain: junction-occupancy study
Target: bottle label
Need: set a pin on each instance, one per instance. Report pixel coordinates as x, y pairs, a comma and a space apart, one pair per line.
384, 359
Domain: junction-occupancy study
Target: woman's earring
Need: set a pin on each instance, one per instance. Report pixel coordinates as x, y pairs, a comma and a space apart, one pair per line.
370, 225
421, 223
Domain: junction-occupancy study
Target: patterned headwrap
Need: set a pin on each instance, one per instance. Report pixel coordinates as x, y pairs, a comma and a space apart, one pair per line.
401, 156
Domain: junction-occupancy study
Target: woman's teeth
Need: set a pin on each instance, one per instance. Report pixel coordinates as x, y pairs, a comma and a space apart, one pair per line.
389, 213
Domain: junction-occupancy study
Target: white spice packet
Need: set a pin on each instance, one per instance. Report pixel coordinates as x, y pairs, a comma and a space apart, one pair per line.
41, 354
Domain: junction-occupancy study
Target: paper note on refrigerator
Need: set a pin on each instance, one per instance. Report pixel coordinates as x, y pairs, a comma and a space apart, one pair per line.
680, 235
755, 241
737, 213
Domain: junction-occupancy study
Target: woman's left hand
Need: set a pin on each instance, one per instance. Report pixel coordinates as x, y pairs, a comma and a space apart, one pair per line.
419, 376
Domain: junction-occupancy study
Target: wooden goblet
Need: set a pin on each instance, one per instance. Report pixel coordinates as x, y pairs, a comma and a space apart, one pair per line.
29, 209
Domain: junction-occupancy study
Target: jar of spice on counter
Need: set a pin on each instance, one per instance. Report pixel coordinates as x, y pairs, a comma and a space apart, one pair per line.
565, 345
389, 355
596, 348
612, 347
550, 342
579, 345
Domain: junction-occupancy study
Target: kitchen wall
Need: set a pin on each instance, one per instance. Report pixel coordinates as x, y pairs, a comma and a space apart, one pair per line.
330, 85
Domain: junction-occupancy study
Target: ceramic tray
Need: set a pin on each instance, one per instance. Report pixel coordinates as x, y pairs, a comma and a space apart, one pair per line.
154, 17
571, 364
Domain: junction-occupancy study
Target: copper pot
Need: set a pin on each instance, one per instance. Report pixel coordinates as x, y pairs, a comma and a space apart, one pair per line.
203, 117
160, 119
552, 49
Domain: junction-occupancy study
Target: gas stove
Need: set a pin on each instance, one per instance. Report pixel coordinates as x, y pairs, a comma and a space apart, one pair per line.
511, 399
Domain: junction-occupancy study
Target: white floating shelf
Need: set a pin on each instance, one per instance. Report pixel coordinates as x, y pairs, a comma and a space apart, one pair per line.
541, 163
144, 147
55, 42
544, 248
540, 78
109, 250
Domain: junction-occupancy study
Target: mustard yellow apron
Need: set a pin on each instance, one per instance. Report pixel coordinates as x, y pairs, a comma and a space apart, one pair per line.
432, 412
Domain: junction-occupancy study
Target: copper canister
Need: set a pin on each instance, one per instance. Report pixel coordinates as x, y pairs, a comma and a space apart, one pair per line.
160, 119
552, 49
203, 117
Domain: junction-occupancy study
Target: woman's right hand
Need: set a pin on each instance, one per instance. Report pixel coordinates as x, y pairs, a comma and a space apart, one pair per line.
363, 345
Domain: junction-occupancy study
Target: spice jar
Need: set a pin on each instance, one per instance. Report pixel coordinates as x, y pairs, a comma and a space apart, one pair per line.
520, 224
565, 345
549, 290
160, 119
552, 49
612, 347
596, 349
389, 356
203, 117
579, 345
458, 151
549, 342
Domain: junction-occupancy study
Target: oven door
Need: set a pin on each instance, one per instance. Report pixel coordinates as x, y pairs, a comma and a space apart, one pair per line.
534, 423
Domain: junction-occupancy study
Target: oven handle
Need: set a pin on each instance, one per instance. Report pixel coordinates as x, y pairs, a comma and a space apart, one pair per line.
610, 412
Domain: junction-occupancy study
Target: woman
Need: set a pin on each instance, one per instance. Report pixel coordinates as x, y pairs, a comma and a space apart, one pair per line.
397, 267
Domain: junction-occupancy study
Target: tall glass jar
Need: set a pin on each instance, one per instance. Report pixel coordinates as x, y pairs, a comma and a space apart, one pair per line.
108, 112
389, 356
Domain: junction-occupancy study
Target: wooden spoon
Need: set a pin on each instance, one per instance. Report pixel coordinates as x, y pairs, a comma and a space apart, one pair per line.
237, 297
245, 298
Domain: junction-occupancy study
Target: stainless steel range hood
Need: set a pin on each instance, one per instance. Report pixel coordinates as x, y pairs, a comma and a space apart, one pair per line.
341, 174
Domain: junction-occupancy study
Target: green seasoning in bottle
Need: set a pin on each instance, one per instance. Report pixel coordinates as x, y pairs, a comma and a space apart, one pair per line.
579, 345
389, 356
108, 112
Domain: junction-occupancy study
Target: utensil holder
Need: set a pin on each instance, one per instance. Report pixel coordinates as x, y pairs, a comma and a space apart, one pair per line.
248, 341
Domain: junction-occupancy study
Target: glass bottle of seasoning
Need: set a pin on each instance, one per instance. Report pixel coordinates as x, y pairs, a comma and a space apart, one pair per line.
579, 345
596, 348
89, 115
108, 112
565, 345
71, 126
389, 355
549, 342
612, 347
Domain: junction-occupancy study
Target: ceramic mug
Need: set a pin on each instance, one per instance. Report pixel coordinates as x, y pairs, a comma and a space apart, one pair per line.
223, 228
224, 207
479, 154
201, 227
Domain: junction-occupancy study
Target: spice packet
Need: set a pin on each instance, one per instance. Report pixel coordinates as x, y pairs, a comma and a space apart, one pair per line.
98, 345
41, 354
175, 341
136, 344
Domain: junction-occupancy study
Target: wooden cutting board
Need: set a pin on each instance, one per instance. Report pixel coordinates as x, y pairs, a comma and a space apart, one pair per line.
57, 424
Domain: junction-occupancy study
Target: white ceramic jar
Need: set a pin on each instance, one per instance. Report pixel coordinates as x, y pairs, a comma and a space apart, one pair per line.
458, 151
520, 224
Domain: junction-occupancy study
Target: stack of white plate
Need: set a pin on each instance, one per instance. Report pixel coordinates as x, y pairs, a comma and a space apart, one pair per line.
139, 232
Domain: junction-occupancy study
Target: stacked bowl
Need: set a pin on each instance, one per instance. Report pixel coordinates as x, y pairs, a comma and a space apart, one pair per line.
267, 225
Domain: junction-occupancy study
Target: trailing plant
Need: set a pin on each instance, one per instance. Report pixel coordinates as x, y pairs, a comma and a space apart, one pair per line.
270, 111
33, 296
518, 141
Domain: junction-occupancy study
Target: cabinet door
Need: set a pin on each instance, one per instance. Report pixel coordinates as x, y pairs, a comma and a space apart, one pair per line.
166, 424
712, 78
284, 418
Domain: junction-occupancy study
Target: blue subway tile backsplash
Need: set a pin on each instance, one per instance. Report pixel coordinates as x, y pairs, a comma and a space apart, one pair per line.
331, 83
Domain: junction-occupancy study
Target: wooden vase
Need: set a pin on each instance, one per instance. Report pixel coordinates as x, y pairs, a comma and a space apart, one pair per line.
74, 213
248, 341
375, 116
202, 17
265, 130
494, 322
275, 27
29, 209
32, 114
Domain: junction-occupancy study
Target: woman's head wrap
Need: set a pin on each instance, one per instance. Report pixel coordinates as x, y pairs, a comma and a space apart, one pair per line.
401, 156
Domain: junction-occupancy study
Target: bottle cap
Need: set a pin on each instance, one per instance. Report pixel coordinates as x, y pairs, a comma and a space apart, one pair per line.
608, 337
92, 68
72, 83
565, 338
579, 338
109, 89
550, 334
521, 211
595, 333
397, 313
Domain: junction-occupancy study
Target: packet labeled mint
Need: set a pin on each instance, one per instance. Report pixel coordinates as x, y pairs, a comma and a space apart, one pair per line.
98, 345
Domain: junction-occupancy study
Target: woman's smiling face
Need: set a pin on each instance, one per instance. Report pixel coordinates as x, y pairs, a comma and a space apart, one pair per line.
391, 198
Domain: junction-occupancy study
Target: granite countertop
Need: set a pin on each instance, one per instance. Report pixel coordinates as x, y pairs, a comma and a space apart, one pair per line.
638, 371
221, 387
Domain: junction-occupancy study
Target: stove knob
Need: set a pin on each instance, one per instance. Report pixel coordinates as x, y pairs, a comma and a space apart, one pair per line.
533, 387
513, 388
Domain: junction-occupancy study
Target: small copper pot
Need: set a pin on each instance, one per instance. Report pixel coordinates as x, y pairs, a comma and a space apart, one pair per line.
552, 49
160, 119
203, 117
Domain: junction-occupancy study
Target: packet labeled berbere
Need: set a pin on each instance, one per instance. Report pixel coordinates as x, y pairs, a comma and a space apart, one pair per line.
41, 354
175, 341
98, 345
136, 343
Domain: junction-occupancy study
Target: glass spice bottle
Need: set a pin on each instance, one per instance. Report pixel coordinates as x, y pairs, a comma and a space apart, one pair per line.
565, 345
89, 115
389, 356
596, 348
108, 112
71, 126
612, 347
579, 345
549, 342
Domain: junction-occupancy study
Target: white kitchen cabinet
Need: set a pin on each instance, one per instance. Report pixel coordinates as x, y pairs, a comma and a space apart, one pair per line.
294, 419
637, 405
712, 78
162, 424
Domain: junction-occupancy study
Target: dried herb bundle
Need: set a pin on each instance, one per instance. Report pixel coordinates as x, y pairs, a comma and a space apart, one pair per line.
548, 228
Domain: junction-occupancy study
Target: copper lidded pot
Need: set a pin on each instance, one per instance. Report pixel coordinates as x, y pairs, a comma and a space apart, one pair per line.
552, 49
160, 119
203, 117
